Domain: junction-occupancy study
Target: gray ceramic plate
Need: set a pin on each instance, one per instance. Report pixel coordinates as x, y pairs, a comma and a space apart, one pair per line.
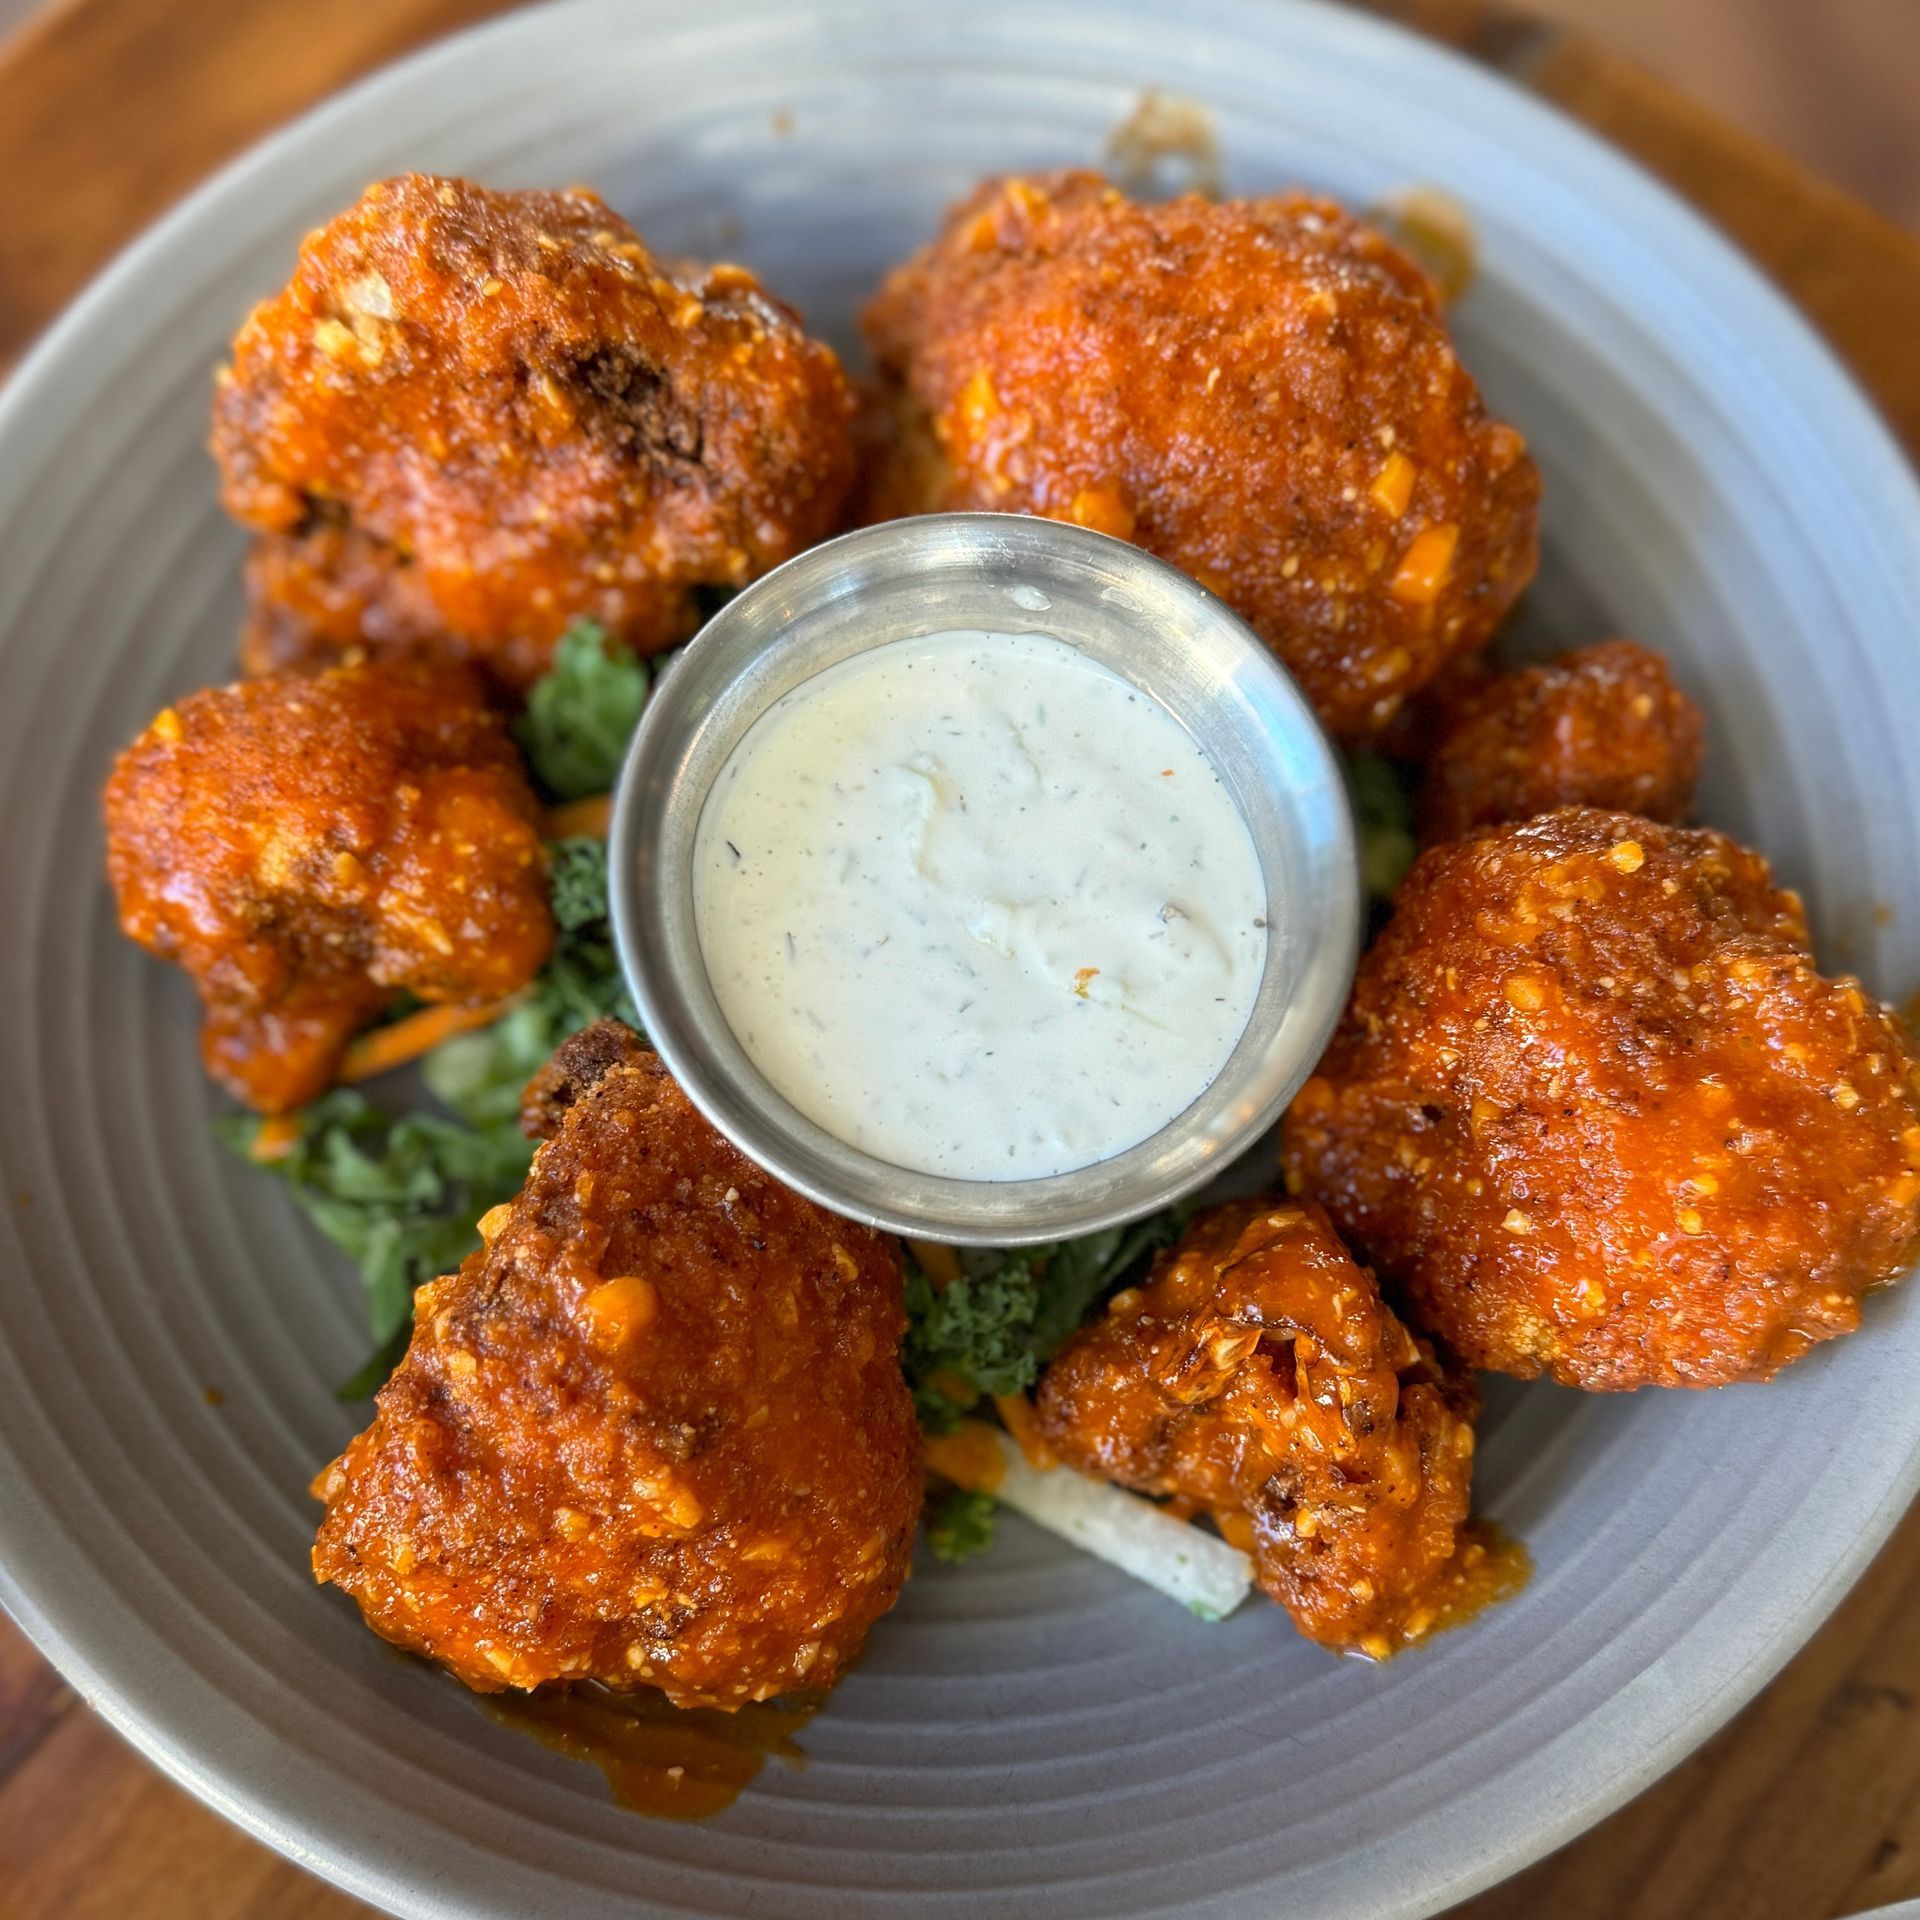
1029, 1731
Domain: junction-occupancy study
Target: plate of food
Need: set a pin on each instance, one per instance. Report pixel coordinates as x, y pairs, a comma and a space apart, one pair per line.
993, 1001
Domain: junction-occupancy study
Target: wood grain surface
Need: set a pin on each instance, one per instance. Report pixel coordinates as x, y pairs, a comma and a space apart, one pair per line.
1807, 1807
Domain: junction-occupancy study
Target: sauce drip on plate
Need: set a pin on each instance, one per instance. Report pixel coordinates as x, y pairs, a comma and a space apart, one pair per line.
674, 1763
1487, 1567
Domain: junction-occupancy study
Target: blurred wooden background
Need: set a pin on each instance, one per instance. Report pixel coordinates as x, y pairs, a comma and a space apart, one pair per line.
1835, 83
1808, 1805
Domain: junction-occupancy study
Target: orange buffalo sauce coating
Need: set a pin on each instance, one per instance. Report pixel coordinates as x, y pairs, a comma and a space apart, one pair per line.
1260, 1376
1603, 727
653, 1434
328, 593
671, 1763
471, 418
1261, 391
307, 848
1593, 1107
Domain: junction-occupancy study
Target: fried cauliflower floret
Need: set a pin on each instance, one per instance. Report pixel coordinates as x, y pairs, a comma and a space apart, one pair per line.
1259, 1374
1260, 391
1604, 727
307, 848
654, 1433
504, 403
1594, 1109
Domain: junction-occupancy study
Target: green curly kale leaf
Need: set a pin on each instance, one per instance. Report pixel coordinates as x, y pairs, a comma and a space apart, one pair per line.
992, 1329
399, 1197
961, 1524
1383, 818
582, 712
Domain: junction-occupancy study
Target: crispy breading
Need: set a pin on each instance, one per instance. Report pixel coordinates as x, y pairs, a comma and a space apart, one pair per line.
308, 848
506, 403
1261, 391
1259, 1374
654, 1433
1593, 1107
1603, 727
331, 595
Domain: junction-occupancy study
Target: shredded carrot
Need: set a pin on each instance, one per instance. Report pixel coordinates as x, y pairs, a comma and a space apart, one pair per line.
940, 1264
406, 1040
955, 1387
969, 1456
1016, 1411
586, 819
277, 1136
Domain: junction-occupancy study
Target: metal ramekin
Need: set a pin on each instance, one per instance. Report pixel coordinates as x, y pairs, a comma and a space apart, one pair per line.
1137, 615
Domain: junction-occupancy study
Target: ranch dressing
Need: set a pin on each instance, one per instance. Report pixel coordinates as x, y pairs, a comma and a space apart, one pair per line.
978, 907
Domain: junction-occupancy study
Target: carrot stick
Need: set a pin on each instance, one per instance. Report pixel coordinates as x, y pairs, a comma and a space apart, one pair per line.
276, 1137
586, 819
1016, 1412
940, 1264
1121, 1528
970, 1456
385, 1048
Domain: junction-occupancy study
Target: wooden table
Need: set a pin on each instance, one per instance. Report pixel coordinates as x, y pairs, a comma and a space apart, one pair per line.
1808, 1805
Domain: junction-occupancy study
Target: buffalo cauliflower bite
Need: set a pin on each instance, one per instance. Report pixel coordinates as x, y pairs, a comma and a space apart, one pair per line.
1594, 1109
1258, 1374
654, 1433
1261, 391
495, 413
1604, 727
308, 848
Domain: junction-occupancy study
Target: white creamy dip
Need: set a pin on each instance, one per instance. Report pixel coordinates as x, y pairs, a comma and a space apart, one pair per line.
978, 907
